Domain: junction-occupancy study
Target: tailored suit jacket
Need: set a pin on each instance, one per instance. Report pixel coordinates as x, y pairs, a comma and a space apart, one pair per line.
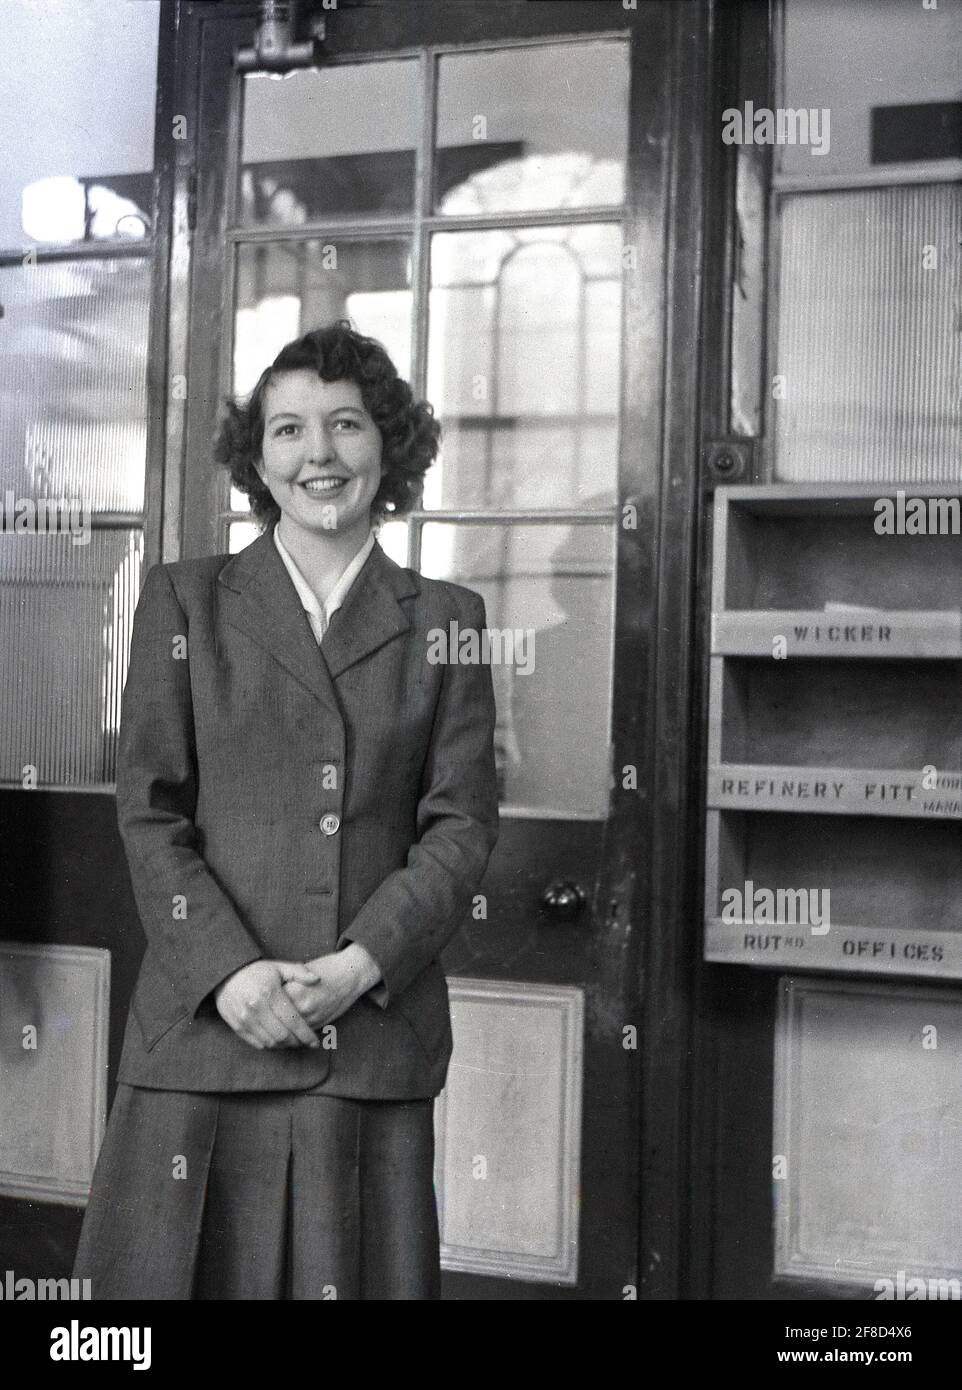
241, 741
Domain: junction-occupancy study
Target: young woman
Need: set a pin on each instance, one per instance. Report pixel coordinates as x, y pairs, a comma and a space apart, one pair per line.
307, 804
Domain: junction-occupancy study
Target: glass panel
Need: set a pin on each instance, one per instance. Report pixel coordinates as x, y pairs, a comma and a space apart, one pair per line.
329, 142
524, 359
524, 128
73, 381
393, 540
240, 534
392, 537
869, 351
286, 288
66, 612
78, 151
553, 588
888, 99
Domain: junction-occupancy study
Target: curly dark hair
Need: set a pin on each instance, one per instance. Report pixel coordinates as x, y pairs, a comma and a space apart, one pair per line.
337, 352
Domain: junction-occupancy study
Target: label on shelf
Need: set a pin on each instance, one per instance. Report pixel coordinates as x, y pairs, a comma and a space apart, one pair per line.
923, 794
783, 633
876, 950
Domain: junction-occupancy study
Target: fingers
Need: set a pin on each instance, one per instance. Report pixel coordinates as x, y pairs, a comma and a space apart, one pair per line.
289, 1018
257, 1024
268, 1026
317, 1005
294, 970
264, 1015
302, 999
245, 1034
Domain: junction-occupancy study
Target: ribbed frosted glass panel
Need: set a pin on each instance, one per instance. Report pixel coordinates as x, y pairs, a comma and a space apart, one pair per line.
868, 341
66, 612
73, 381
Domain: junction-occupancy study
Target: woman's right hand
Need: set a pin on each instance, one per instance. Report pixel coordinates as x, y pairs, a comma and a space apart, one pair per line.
254, 1003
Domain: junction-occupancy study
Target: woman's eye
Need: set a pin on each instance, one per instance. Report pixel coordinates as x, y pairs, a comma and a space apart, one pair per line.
349, 424
282, 430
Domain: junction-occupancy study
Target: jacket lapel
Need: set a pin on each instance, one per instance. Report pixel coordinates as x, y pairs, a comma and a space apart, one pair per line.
257, 597
371, 614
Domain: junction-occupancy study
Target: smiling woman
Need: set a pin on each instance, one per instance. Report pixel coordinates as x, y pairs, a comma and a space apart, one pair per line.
371, 392
272, 1133
321, 460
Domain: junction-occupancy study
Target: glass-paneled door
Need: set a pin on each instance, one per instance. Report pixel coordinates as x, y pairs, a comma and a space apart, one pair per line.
510, 324
468, 201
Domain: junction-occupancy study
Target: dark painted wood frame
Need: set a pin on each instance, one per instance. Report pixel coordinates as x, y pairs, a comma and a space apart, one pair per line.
729, 1246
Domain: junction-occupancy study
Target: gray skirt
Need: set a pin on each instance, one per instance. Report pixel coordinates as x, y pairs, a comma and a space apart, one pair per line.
262, 1195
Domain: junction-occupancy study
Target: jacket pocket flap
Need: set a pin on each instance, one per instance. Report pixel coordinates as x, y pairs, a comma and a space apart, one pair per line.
155, 1022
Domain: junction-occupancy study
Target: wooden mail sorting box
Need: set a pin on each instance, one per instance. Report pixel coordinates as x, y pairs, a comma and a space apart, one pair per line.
910, 634
834, 784
838, 791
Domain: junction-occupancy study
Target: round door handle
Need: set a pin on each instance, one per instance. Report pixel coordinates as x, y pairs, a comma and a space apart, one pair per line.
562, 900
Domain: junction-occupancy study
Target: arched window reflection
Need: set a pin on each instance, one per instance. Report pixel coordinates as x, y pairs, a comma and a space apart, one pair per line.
524, 364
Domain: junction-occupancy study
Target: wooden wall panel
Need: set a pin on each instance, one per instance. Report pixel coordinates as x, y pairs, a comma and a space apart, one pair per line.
54, 1017
509, 1131
868, 1117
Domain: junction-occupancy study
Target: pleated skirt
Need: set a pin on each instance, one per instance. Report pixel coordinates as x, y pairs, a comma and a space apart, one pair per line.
262, 1195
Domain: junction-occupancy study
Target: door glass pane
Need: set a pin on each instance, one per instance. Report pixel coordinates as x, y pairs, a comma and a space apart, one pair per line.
78, 153
329, 142
66, 612
241, 534
549, 595
286, 288
392, 537
524, 358
868, 345
73, 381
526, 128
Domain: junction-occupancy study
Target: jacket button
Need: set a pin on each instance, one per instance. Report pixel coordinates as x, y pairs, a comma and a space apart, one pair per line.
330, 824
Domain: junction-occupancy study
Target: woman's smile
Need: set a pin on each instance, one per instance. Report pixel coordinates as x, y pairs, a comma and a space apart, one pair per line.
322, 486
321, 455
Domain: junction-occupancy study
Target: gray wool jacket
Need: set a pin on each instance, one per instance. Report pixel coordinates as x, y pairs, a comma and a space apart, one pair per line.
278, 799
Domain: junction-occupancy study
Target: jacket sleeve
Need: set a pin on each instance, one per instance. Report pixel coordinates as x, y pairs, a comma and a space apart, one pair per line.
406, 922
188, 919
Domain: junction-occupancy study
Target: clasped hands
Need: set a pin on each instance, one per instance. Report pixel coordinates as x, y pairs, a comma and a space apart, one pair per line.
281, 1003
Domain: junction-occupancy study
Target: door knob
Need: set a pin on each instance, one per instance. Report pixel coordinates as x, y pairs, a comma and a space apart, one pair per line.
562, 900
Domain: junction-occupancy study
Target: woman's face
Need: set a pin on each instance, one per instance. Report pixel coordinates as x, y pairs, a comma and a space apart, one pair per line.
321, 453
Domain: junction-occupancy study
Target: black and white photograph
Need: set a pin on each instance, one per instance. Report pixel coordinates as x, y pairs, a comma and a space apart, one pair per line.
481, 683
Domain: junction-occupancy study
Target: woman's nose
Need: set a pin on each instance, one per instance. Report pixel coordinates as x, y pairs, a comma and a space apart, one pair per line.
320, 443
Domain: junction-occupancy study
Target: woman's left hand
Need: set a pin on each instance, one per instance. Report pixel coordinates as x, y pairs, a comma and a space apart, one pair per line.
343, 976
